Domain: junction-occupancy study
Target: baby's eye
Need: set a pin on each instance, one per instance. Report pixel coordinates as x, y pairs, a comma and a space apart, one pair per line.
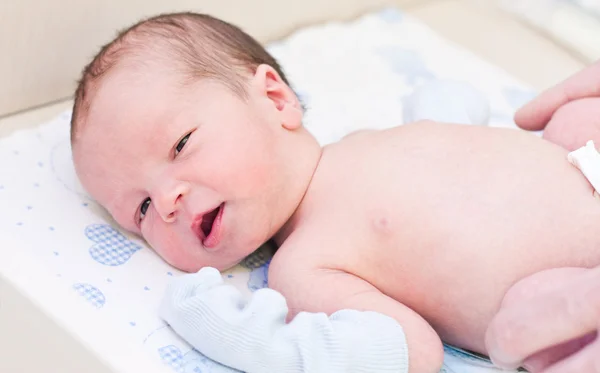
144, 209
182, 143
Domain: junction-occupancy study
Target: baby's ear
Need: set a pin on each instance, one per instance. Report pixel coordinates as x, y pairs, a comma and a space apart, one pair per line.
285, 101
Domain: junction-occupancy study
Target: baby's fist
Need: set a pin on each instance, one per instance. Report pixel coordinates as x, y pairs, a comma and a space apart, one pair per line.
176, 299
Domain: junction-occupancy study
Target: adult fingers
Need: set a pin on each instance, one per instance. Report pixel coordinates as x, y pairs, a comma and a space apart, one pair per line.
535, 115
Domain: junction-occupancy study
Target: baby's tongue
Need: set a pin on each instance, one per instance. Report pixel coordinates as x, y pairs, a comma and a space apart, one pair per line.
207, 221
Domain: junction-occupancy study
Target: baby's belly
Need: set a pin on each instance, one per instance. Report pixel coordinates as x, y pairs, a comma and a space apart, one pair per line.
457, 276
458, 284
455, 243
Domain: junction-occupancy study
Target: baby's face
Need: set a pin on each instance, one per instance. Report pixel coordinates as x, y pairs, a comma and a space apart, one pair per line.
196, 171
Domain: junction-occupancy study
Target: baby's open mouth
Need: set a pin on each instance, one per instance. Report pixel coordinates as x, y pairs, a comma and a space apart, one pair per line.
208, 221
208, 227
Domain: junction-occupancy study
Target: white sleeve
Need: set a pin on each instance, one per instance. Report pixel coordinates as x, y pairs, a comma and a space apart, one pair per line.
252, 335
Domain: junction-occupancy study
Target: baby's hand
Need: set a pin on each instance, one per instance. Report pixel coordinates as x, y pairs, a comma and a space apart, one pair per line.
203, 309
252, 336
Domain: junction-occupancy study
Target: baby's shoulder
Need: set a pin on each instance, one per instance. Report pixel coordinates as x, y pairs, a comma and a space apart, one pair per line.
360, 132
294, 263
307, 282
287, 263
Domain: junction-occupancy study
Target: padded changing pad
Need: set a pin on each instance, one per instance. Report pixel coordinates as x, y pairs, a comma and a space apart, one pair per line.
349, 75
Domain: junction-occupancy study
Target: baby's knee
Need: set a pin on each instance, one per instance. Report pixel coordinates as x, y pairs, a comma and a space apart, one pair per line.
539, 283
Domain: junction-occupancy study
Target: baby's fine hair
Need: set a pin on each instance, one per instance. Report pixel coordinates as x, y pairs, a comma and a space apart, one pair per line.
192, 45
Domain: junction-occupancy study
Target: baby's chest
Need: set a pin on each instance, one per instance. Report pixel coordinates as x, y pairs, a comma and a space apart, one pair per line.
361, 235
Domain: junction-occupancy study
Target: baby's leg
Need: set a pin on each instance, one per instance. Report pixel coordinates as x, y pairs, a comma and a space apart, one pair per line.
538, 284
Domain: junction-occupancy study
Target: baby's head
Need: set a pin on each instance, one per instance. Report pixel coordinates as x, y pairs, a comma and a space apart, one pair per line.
185, 129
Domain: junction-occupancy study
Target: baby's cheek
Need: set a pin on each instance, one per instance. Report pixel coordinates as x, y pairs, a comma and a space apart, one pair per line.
166, 244
175, 256
247, 177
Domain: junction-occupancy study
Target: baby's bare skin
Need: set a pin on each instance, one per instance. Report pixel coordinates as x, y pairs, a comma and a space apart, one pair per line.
441, 218
429, 223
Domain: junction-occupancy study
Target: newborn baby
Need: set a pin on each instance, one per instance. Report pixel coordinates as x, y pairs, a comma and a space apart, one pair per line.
186, 130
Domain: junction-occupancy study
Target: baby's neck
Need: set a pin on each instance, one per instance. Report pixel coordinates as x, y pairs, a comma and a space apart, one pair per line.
297, 216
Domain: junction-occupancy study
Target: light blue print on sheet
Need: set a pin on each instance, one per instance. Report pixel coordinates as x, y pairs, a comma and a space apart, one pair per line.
517, 97
259, 277
191, 362
407, 63
446, 369
391, 15
260, 256
112, 248
172, 356
91, 294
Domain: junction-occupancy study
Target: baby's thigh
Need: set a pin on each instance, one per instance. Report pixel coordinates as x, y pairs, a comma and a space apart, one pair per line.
541, 282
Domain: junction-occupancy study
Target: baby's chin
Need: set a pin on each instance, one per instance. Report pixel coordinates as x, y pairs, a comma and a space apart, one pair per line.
192, 264
232, 252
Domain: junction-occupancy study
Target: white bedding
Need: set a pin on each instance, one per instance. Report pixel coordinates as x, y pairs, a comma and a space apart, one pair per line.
350, 76
573, 23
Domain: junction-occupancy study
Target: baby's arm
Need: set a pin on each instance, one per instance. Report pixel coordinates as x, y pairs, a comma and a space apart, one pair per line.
252, 335
330, 290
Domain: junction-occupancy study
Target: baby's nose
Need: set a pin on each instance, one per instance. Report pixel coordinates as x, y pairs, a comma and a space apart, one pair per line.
168, 202
167, 208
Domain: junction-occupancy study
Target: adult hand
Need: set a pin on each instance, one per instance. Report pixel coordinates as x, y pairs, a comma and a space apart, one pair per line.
535, 115
550, 331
